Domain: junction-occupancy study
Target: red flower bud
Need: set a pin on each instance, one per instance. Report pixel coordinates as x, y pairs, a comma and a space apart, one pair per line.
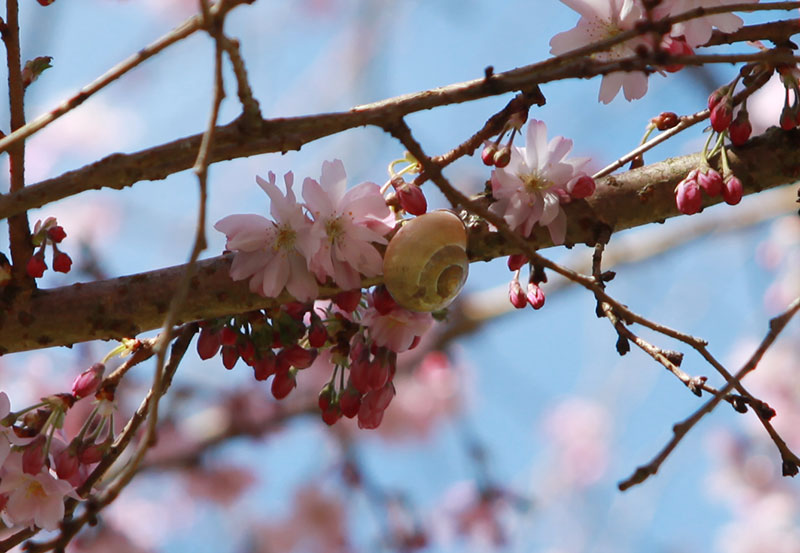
34, 456
283, 383
208, 343
721, 115
687, 195
382, 300
296, 356
230, 355
348, 301
487, 155
62, 262
265, 365
350, 401
503, 157
516, 261
36, 265
411, 197
56, 234
665, 120
582, 187
740, 129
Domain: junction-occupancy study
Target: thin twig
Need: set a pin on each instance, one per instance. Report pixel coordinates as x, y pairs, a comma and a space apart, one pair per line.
776, 325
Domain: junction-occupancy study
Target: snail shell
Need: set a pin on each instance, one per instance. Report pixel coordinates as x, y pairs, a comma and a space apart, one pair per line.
425, 265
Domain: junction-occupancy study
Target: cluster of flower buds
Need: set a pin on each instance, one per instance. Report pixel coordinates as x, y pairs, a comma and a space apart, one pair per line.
498, 155
533, 296
688, 195
720, 102
44, 233
282, 342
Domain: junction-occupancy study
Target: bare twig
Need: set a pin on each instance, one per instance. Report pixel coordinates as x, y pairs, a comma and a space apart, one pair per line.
776, 325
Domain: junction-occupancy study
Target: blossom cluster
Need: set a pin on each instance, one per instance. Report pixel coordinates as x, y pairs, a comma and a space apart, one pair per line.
39, 467
605, 19
331, 235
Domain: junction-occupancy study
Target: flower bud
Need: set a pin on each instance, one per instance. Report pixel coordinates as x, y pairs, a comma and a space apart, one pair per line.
665, 120
581, 187
411, 197
36, 265
87, 382
208, 343
721, 115
687, 194
740, 129
487, 155
710, 181
34, 455
56, 233
732, 190
382, 300
283, 383
348, 300
516, 261
502, 157
515, 294
350, 401
535, 296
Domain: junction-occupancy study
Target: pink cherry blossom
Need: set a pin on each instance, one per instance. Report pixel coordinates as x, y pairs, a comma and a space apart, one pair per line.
32, 499
397, 329
603, 19
530, 189
273, 254
698, 31
346, 224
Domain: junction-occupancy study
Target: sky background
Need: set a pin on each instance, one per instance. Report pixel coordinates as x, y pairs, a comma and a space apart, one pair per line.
522, 372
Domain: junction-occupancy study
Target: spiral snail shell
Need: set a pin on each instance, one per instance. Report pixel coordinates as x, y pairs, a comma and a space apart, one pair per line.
425, 264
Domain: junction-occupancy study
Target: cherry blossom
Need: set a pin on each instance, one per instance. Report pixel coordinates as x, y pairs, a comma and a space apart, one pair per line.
396, 329
600, 20
32, 499
273, 254
697, 31
537, 179
346, 224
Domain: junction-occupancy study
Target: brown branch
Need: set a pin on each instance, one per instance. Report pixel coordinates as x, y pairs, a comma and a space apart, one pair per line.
776, 325
19, 232
126, 306
236, 139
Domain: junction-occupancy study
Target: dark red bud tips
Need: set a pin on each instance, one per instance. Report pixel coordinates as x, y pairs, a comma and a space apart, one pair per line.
721, 115
208, 343
382, 300
87, 382
502, 157
283, 383
56, 233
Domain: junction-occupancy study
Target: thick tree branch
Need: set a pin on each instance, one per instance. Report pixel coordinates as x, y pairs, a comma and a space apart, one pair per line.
126, 306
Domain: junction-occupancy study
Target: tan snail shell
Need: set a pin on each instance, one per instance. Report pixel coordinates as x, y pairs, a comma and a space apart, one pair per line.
425, 265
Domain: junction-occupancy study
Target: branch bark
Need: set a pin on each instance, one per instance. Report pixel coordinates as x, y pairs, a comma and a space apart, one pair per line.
126, 306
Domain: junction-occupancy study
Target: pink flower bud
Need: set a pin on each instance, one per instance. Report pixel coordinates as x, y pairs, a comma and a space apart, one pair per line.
515, 294
687, 195
676, 47
411, 197
227, 336
581, 187
36, 265
732, 190
665, 120
716, 97
91, 453
740, 129
325, 397
710, 181
87, 382
535, 296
